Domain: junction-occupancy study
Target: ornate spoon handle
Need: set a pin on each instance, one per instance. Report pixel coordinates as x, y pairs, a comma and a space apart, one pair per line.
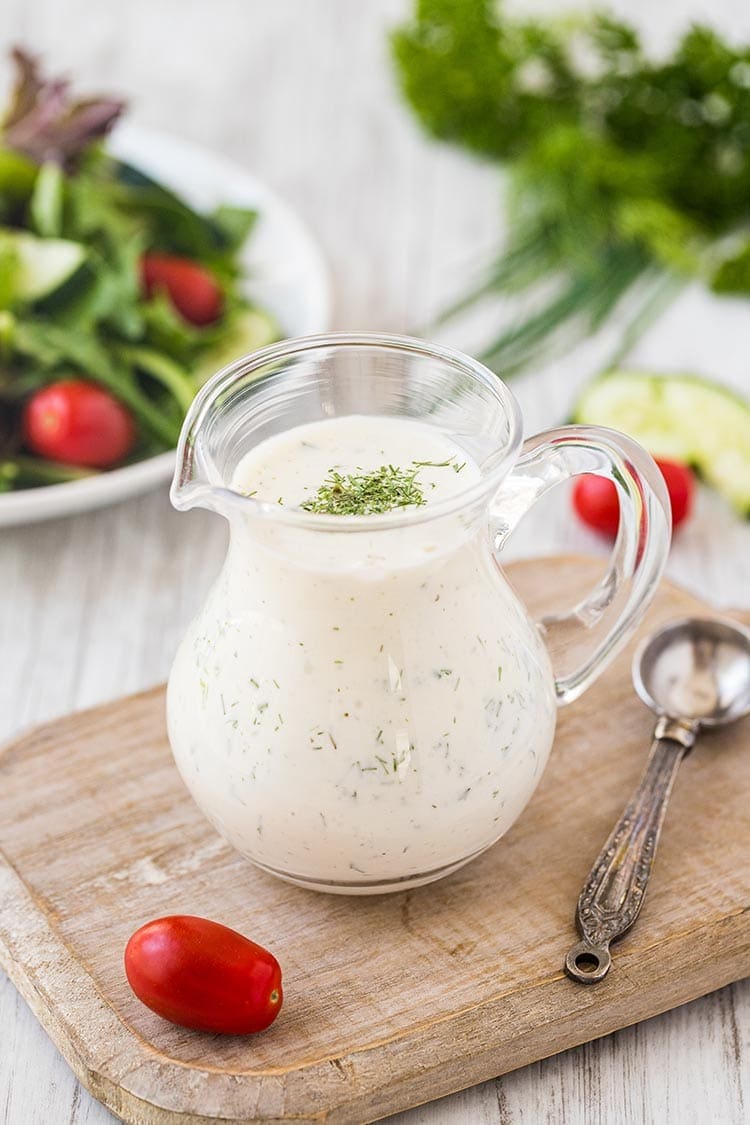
613, 894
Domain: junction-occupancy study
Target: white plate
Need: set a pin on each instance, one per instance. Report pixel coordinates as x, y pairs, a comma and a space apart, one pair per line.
286, 274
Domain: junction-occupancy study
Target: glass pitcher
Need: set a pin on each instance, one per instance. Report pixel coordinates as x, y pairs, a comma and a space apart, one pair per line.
363, 704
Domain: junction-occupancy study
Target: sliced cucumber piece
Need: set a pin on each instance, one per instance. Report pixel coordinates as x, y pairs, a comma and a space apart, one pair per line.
248, 330
682, 417
40, 265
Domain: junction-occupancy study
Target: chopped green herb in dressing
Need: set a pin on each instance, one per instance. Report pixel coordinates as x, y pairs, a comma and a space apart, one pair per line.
366, 494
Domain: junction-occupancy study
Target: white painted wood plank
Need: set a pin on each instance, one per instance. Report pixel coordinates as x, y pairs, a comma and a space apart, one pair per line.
93, 606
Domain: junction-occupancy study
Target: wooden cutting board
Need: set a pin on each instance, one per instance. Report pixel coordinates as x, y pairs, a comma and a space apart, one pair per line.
390, 1001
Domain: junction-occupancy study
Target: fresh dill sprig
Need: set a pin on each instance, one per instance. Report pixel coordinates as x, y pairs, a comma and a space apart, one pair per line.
628, 175
366, 494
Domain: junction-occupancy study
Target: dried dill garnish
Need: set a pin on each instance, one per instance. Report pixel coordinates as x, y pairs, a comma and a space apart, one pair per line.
366, 494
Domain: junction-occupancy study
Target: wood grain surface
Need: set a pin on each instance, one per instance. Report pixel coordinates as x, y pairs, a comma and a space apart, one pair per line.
302, 93
392, 1000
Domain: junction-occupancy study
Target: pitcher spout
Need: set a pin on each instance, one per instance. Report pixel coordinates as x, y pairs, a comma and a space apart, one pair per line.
191, 487
228, 415
203, 468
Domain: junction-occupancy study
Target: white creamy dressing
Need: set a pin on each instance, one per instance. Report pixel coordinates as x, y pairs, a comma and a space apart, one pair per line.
367, 707
288, 469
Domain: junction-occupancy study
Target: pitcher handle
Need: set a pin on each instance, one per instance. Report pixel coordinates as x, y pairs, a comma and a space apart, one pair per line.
608, 616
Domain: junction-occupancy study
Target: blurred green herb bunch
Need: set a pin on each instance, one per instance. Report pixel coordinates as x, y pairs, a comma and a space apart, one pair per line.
627, 174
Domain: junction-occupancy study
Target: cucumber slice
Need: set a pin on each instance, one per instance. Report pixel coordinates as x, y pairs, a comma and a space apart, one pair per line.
679, 417
40, 265
248, 330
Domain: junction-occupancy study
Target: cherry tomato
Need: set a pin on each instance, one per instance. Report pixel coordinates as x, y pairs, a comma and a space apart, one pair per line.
78, 423
596, 501
203, 975
191, 288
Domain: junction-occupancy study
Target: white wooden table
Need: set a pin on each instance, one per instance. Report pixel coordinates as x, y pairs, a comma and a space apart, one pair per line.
93, 607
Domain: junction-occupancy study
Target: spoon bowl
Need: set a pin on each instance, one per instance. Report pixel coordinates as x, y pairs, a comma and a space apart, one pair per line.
697, 670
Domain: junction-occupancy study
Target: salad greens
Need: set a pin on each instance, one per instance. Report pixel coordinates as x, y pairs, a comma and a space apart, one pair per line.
626, 173
75, 224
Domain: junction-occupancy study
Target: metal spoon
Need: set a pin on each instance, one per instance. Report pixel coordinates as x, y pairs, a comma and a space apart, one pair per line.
693, 673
